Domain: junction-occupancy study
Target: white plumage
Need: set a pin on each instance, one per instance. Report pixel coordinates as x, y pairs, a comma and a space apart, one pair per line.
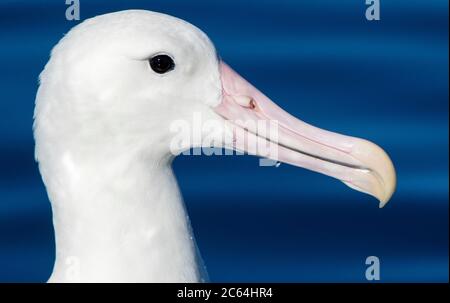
103, 135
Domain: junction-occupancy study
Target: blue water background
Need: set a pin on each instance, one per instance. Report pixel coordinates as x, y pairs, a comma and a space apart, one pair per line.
322, 61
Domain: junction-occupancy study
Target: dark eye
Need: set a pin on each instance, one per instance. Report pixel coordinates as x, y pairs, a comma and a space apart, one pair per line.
161, 64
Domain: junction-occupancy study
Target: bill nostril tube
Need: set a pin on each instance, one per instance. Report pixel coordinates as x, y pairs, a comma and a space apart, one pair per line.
245, 101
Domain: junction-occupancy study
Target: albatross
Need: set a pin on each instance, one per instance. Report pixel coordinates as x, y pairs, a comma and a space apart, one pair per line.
103, 127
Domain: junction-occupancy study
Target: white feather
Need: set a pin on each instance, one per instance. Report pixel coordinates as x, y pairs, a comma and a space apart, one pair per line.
102, 131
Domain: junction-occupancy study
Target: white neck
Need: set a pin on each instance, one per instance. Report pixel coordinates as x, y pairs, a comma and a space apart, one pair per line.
121, 221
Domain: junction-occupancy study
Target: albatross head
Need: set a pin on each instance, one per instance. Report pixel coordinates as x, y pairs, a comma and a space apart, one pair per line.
119, 82
112, 110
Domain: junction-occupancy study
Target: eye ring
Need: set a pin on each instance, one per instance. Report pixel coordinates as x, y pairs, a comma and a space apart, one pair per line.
161, 63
